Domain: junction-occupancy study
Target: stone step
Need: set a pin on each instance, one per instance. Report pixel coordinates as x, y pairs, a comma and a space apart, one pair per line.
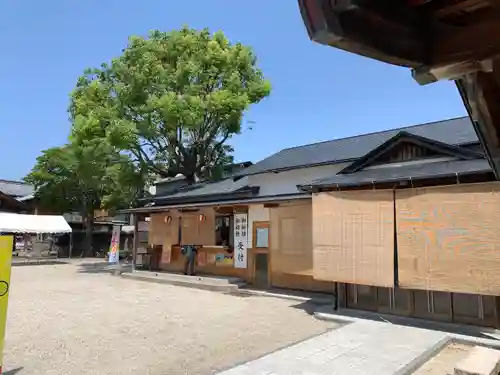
480, 361
219, 284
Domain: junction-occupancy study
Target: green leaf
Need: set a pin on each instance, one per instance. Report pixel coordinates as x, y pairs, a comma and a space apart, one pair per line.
171, 101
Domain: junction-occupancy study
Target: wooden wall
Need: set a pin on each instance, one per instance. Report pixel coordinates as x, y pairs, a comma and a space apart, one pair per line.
291, 247
353, 237
449, 238
193, 231
291, 257
177, 261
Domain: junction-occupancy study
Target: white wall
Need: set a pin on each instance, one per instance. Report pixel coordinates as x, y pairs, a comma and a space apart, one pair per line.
256, 212
286, 182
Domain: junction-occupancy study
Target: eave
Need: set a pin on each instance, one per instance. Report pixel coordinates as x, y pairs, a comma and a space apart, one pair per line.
437, 39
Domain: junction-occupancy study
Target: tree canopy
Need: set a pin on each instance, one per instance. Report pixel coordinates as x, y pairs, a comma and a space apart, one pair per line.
168, 105
84, 177
171, 101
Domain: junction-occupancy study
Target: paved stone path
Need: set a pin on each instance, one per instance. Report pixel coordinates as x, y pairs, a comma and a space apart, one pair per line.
360, 348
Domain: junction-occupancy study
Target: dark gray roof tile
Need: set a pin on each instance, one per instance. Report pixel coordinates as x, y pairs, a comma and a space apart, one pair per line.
454, 132
15, 188
403, 172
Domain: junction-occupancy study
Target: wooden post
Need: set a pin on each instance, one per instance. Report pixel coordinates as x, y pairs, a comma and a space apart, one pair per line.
135, 221
70, 244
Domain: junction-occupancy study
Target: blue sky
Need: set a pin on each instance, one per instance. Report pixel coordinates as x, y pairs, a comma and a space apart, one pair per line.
319, 93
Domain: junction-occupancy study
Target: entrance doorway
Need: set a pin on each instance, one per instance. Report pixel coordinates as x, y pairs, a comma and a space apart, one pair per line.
262, 256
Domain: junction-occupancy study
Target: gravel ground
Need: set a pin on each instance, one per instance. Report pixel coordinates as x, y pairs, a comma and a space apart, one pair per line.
66, 321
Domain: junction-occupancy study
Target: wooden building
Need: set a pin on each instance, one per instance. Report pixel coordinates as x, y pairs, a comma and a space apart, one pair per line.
360, 215
437, 39
15, 196
412, 228
265, 210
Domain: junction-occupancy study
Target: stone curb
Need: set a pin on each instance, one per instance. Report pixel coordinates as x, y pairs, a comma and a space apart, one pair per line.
38, 263
291, 297
434, 350
229, 288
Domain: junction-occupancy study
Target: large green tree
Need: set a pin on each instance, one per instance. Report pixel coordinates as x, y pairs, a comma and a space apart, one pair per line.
172, 100
84, 177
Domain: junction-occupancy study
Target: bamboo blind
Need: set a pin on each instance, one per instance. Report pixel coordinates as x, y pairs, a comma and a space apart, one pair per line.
290, 238
353, 237
198, 232
449, 238
157, 229
171, 238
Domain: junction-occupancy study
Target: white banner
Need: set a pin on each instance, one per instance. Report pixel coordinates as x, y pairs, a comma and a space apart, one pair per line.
240, 240
114, 248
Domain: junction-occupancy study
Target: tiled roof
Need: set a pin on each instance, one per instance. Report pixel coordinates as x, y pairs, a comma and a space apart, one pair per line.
275, 176
15, 188
268, 184
457, 131
403, 172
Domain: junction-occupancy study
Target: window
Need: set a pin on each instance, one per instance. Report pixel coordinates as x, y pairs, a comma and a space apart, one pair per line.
224, 234
262, 240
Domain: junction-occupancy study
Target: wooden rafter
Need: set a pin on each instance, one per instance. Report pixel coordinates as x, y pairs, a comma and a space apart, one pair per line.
444, 8
461, 44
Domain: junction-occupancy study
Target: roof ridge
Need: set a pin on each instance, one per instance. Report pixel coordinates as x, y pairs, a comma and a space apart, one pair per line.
375, 132
14, 182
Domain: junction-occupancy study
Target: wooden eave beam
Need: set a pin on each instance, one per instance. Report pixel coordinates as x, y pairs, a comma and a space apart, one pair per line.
352, 26
446, 8
477, 42
395, 36
481, 94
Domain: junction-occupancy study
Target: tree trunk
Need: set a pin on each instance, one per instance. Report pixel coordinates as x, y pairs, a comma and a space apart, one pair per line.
190, 178
89, 231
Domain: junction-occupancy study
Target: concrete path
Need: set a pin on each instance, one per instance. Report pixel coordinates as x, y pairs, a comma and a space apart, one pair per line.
366, 347
363, 347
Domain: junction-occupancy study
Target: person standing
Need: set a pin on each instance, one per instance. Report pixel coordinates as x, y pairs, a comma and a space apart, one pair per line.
190, 252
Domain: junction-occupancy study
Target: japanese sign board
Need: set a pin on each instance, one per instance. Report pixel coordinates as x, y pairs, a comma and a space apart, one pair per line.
240, 240
114, 248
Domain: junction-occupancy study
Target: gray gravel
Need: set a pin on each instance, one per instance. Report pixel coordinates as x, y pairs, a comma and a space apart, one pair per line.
65, 321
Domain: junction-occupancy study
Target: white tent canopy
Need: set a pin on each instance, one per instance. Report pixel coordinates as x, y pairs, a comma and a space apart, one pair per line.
19, 223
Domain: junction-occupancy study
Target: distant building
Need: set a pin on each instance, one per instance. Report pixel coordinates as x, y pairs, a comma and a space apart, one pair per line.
15, 196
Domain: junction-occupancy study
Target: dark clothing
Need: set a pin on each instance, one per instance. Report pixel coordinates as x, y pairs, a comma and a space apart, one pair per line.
189, 264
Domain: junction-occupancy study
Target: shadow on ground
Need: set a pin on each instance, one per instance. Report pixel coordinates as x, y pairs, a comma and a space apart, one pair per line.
459, 329
13, 371
18, 262
308, 307
102, 267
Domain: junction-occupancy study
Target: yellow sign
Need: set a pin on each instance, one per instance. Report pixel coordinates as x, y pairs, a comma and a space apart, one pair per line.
6, 245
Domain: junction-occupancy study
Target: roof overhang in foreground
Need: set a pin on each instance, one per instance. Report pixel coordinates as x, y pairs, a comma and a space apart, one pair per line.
276, 198
437, 39
19, 223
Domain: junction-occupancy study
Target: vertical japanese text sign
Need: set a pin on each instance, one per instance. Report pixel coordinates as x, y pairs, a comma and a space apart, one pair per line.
240, 240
